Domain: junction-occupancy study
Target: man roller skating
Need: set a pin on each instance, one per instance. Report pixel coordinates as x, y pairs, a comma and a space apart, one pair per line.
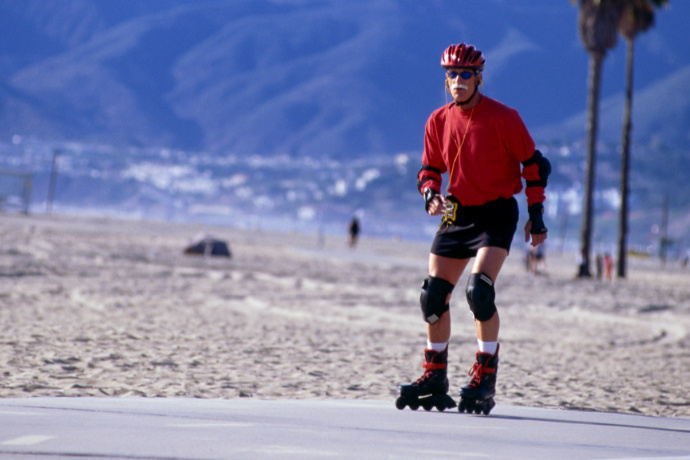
486, 150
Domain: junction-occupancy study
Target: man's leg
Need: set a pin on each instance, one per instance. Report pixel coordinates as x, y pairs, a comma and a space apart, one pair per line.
478, 395
489, 261
450, 270
431, 389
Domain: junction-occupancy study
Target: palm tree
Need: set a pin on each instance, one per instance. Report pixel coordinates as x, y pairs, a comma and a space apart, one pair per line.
637, 16
598, 26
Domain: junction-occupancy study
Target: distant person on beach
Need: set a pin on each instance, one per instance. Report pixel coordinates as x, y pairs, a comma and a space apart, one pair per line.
353, 230
599, 262
536, 259
608, 266
486, 150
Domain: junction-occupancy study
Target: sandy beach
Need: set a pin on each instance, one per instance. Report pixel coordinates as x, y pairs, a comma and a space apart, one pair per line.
113, 308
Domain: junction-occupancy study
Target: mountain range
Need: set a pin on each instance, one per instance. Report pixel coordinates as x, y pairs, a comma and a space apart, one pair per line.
313, 77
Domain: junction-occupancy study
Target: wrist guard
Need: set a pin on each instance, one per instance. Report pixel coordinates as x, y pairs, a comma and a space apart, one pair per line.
429, 195
536, 212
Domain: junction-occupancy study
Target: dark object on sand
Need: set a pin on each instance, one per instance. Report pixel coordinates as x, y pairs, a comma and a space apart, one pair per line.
206, 245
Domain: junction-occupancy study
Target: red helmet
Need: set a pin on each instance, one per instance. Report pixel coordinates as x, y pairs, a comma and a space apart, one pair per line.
462, 55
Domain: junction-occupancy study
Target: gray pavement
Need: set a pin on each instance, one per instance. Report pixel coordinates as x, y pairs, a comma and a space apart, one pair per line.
176, 428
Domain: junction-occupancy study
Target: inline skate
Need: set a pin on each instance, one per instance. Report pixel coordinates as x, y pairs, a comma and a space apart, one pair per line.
478, 395
431, 389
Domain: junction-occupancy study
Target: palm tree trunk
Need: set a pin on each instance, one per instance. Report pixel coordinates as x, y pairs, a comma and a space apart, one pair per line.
595, 64
625, 165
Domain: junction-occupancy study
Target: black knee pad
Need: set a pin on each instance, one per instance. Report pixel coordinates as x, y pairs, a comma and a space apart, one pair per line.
433, 298
481, 295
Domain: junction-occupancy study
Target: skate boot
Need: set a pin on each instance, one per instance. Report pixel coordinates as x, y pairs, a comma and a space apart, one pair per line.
478, 395
431, 389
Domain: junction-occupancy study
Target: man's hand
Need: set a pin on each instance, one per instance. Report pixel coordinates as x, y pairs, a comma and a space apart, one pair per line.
537, 238
535, 225
437, 205
435, 202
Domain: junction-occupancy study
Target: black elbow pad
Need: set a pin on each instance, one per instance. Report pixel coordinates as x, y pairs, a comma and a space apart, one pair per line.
544, 166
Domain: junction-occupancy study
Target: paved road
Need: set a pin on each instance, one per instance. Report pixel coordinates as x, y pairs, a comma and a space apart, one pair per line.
134, 428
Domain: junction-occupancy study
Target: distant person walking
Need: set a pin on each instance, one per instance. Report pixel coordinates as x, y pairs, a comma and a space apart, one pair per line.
608, 266
486, 150
599, 262
353, 230
537, 259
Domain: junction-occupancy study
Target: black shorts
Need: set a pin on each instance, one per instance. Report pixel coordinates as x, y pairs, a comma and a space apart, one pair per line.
473, 227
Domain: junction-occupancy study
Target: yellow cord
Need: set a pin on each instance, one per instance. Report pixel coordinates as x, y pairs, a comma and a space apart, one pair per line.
467, 128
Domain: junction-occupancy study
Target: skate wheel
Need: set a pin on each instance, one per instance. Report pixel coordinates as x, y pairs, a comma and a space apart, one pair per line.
427, 407
440, 407
400, 403
467, 405
489, 405
414, 406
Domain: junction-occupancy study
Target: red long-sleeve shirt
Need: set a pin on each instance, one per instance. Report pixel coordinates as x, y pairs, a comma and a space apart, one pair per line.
488, 163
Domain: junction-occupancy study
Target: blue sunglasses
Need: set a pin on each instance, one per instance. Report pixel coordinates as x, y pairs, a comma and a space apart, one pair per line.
465, 74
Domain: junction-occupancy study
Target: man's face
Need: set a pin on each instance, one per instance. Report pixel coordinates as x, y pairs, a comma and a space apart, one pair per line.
461, 82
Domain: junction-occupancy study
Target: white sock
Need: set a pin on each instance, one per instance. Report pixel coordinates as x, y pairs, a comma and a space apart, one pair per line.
487, 347
436, 346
